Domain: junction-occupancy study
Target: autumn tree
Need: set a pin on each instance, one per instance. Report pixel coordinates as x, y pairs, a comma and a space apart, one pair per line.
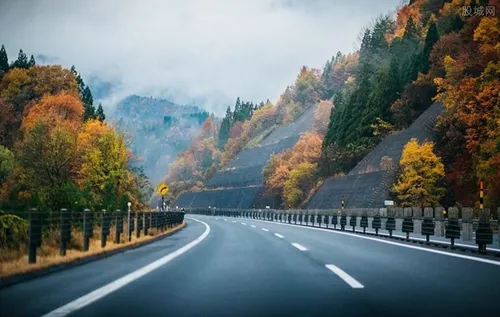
290, 168
104, 163
47, 155
300, 181
422, 173
62, 109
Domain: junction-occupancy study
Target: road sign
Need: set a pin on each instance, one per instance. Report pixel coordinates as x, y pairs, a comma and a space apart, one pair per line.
388, 202
162, 189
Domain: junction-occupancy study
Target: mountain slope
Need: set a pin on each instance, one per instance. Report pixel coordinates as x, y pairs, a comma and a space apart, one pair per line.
239, 183
158, 129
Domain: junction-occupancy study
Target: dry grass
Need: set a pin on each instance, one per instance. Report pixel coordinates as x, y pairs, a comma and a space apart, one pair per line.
16, 261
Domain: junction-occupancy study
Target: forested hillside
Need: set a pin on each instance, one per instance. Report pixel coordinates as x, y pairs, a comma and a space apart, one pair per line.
157, 130
430, 51
56, 149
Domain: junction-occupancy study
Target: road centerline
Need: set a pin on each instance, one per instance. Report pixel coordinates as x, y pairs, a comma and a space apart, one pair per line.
279, 235
264, 229
299, 246
344, 276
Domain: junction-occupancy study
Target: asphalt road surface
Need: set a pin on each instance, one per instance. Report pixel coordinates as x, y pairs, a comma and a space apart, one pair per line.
240, 267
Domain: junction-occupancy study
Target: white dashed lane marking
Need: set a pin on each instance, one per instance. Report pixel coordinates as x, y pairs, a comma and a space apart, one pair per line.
343, 275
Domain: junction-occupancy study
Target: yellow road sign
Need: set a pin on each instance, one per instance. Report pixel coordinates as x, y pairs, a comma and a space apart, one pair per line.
162, 189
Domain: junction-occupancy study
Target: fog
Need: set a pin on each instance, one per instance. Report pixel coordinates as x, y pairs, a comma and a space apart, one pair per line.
206, 52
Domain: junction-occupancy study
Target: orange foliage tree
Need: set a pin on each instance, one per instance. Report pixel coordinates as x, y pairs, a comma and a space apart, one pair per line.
286, 172
61, 109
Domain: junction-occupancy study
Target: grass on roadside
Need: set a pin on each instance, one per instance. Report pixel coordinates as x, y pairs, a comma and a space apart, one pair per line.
16, 261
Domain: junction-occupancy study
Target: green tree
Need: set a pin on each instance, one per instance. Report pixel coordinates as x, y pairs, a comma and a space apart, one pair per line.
422, 173
4, 61
430, 39
7, 163
32, 61
47, 154
225, 128
99, 114
22, 61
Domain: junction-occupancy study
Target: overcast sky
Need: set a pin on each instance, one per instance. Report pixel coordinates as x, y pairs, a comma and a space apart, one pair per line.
206, 50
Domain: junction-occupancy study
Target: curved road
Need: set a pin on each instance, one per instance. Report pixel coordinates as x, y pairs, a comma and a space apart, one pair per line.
241, 267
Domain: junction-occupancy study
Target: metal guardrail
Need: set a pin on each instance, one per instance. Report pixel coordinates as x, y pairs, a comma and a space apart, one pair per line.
63, 223
406, 220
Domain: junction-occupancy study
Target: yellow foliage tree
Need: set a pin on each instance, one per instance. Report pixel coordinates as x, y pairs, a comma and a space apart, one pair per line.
301, 180
422, 172
104, 162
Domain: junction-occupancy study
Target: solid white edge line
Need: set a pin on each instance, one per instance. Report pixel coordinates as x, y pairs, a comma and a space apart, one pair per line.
461, 256
279, 235
119, 283
343, 275
300, 247
264, 229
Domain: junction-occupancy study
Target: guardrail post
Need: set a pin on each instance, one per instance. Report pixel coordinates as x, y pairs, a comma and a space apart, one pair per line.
335, 221
35, 234
352, 221
438, 226
65, 231
467, 228
417, 220
139, 225
390, 224
319, 219
452, 228
104, 227
343, 220
146, 222
118, 225
484, 234
407, 222
88, 228
376, 223
130, 225
427, 224
364, 220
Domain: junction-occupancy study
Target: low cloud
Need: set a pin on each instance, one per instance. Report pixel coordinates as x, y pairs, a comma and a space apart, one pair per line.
202, 51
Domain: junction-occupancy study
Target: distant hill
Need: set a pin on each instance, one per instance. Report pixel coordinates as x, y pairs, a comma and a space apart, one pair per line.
157, 129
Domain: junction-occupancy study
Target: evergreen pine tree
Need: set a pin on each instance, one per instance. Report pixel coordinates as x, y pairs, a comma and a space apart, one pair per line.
100, 113
430, 39
225, 127
4, 60
32, 62
410, 30
21, 62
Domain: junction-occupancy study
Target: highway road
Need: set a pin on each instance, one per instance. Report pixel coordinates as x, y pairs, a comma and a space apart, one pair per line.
240, 267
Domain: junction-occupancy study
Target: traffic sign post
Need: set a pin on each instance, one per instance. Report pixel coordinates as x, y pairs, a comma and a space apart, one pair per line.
163, 190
